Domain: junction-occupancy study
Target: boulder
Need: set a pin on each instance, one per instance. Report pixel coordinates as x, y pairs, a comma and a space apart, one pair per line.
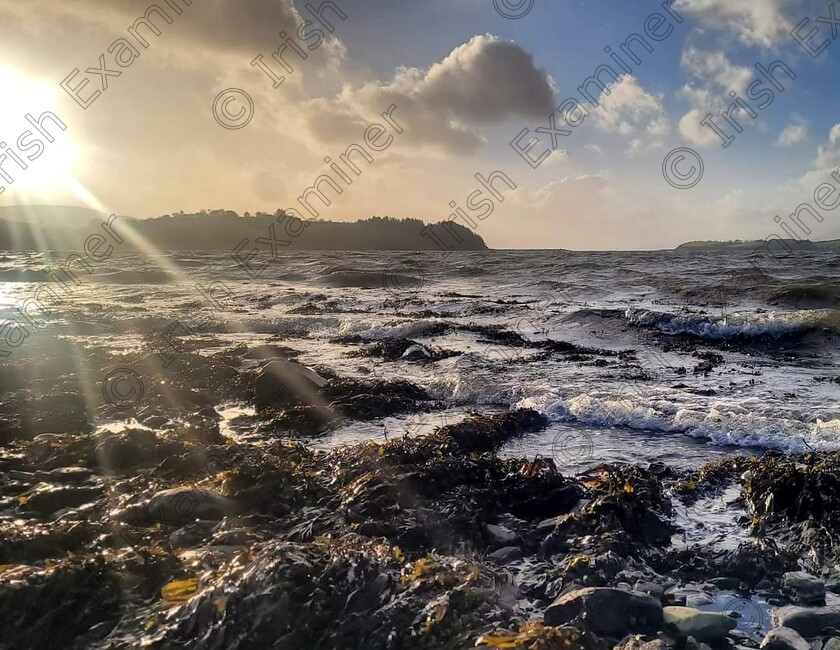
178, 506
416, 352
804, 588
784, 638
611, 612
46, 499
637, 642
284, 383
832, 644
506, 555
703, 626
500, 535
808, 621
651, 589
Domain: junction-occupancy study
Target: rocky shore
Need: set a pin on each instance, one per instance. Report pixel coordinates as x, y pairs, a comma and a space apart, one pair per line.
168, 532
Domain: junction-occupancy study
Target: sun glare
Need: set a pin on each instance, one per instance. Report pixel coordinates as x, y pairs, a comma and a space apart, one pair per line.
33, 163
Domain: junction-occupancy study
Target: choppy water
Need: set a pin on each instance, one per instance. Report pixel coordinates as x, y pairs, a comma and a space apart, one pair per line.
778, 333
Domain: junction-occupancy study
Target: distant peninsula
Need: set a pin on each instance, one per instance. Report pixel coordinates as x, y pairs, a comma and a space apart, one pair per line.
779, 244
65, 228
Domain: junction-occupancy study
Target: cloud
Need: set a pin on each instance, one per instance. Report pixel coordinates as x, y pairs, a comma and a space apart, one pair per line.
754, 22
228, 24
483, 81
714, 75
792, 135
630, 110
713, 67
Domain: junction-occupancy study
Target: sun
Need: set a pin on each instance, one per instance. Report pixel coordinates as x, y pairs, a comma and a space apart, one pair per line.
52, 170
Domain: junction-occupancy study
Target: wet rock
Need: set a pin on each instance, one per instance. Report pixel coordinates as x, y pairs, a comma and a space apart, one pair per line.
726, 583
285, 383
637, 642
805, 588
808, 621
784, 638
832, 644
416, 352
612, 612
703, 626
506, 555
47, 499
500, 535
651, 589
178, 506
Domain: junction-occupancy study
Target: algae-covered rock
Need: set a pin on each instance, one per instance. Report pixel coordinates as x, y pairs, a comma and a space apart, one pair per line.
784, 638
613, 612
703, 626
810, 622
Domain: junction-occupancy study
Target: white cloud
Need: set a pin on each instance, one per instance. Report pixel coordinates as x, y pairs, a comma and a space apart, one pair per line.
713, 67
714, 76
630, 110
486, 80
792, 135
754, 22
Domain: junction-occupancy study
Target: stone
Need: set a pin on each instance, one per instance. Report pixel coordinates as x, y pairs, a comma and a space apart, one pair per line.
416, 352
698, 599
804, 588
832, 644
611, 612
651, 589
284, 383
725, 583
703, 626
784, 638
178, 506
500, 534
47, 499
637, 642
505, 555
808, 621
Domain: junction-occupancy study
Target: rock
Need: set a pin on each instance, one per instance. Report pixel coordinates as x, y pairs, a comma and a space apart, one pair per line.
805, 588
284, 383
178, 506
832, 644
726, 583
637, 642
703, 626
784, 638
698, 599
693, 644
47, 499
416, 352
506, 555
611, 612
501, 535
651, 589
808, 621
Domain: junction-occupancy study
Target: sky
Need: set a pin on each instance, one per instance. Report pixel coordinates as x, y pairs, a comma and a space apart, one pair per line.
150, 133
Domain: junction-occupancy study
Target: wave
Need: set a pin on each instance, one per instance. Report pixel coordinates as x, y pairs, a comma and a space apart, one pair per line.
808, 296
133, 277
23, 276
722, 424
764, 325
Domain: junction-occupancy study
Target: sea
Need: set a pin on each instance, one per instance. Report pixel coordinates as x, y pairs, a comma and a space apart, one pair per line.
675, 356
